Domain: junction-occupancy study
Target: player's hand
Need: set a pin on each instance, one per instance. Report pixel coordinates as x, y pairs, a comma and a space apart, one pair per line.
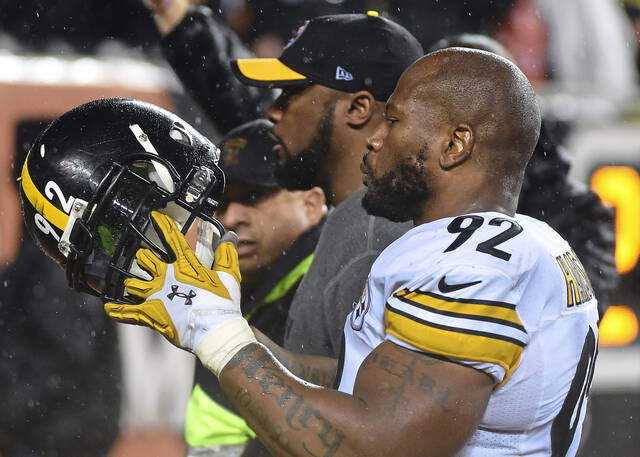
184, 299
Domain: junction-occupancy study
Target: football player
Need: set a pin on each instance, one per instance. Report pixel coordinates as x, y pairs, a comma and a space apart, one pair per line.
476, 332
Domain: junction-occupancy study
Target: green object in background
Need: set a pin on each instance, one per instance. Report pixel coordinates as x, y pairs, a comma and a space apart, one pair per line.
107, 239
284, 286
209, 424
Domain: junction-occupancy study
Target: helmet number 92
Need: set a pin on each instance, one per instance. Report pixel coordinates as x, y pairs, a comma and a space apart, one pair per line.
52, 188
44, 226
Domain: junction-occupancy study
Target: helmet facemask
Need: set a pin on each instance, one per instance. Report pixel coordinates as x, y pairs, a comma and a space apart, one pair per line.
102, 243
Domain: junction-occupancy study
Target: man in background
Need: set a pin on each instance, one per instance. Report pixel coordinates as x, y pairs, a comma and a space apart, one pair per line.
335, 75
277, 232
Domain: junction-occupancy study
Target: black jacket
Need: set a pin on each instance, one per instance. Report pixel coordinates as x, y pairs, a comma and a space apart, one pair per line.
199, 50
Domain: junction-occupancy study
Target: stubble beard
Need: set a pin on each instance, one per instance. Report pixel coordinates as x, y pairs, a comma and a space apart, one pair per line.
300, 172
399, 195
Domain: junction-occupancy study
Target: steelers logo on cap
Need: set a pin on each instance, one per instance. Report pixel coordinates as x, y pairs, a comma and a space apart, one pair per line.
231, 148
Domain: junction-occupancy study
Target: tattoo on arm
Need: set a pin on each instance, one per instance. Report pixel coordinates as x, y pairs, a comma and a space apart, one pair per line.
408, 374
302, 425
298, 412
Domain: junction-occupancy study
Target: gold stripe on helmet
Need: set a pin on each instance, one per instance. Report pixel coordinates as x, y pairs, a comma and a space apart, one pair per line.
41, 204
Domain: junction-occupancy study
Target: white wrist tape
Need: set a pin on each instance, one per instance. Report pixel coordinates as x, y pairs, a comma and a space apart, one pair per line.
221, 344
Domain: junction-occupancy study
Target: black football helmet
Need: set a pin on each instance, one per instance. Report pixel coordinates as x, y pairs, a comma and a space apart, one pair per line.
92, 178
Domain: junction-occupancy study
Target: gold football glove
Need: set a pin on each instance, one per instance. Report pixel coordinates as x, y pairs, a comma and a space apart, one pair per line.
185, 300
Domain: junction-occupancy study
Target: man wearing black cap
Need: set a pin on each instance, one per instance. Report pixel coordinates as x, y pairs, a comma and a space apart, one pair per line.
277, 231
336, 73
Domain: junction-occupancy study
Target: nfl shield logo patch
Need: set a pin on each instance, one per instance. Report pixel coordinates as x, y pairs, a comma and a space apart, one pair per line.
360, 309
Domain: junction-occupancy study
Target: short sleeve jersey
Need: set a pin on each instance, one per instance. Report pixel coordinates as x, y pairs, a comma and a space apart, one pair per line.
503, 295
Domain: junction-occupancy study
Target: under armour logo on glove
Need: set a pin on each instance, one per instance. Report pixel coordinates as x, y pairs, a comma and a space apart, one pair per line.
187, 297
211, 296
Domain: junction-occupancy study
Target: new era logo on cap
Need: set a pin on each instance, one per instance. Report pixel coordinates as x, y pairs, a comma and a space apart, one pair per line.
342, 74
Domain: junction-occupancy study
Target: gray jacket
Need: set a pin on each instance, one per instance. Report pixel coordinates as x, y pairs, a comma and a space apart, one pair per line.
349, 243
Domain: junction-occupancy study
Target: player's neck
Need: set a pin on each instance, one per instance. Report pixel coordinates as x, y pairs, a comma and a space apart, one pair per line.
460, 204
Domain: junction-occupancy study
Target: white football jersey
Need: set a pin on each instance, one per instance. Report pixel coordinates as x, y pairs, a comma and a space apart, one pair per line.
503, 295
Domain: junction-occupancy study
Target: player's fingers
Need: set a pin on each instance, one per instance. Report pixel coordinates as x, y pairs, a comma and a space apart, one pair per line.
175, 240
191, 259
126, 314
148, 261
155, 267
157, 317
227, 257
168, 233
151, 314
141, 288
229, 237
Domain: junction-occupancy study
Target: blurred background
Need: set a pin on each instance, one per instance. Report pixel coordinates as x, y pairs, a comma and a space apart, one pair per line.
66, 385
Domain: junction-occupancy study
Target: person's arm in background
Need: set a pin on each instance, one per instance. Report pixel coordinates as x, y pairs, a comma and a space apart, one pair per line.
199, 48
312, 368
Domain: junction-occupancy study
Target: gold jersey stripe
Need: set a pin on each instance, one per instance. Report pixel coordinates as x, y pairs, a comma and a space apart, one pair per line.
453, 343
494, 311
41, 204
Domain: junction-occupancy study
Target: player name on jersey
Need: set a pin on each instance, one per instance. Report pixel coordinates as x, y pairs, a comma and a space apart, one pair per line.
579, 288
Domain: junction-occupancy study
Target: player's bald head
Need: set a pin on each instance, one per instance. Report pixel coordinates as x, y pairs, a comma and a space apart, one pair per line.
485, 91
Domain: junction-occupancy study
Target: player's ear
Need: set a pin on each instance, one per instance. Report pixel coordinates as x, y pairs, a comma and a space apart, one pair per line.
459, 147
315, 205
359, 108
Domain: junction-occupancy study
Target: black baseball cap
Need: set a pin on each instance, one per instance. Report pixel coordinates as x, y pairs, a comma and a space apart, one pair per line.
346, 52
246, 154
